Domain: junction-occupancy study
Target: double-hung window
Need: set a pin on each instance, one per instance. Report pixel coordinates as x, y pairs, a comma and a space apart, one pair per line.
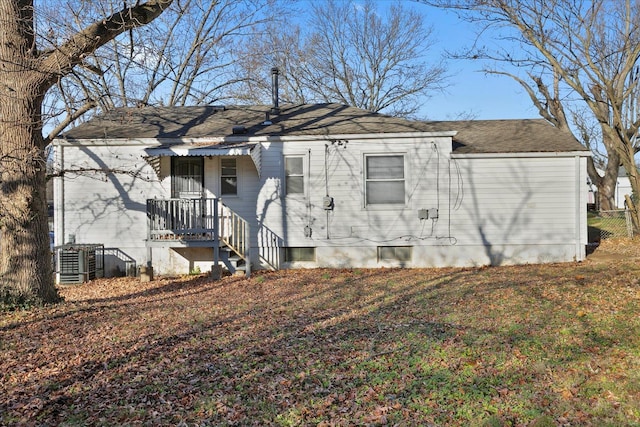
228, 177
294, 175
186, 177
384, 179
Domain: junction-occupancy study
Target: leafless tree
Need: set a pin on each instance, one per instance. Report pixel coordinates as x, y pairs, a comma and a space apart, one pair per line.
349, 52
29, 68
572, 57
186, 57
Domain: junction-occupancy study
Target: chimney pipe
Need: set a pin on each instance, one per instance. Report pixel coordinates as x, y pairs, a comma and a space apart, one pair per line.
274, 90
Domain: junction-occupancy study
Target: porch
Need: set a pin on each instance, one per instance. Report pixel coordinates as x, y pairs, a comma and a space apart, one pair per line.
200, 222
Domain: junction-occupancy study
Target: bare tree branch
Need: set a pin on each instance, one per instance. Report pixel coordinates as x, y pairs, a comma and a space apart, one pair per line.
575, 52
186, 57
71, 53
352, 54
27, 73
71, 117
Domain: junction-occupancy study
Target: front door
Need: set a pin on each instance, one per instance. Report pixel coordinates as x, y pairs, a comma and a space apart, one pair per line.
187, 177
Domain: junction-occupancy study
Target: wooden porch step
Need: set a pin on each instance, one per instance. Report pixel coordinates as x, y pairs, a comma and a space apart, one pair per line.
231, 261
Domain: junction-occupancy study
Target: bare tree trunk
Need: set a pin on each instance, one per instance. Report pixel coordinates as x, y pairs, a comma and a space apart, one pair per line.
636, 203
606, 201
25, 261
606, 185
25, 264
607, 182
25, 77
634, 180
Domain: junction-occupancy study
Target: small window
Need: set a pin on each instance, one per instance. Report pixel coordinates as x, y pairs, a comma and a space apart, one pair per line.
384, 180
299, 254
228, 177
394, 253
294, 175
186, 177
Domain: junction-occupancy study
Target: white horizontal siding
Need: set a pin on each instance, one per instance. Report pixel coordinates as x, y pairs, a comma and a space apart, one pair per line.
102, 196
339, 173
490, 210
500, 209
516, 201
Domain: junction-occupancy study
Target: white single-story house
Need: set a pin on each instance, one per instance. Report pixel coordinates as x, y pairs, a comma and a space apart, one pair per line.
319, 185
623, 188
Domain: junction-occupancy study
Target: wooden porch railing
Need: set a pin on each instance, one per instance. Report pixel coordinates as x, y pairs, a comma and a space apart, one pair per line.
181, 219
234, 232
201, 220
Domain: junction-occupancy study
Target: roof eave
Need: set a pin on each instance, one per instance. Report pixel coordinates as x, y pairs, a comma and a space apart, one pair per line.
574, 153
244, 138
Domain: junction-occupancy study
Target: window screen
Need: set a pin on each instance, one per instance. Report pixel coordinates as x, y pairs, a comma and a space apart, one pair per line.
294, 175
228, 177
384, 180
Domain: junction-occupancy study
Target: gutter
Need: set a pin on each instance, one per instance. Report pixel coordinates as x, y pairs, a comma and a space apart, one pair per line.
245, 139
535, 154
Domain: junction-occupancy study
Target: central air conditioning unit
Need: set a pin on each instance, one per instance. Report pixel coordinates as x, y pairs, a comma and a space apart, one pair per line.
79, 263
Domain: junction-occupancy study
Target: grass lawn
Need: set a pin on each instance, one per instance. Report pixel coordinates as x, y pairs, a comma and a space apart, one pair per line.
538, 345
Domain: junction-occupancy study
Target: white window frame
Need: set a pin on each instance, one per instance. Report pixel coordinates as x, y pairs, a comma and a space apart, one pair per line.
367, 180
236, 176
301, 175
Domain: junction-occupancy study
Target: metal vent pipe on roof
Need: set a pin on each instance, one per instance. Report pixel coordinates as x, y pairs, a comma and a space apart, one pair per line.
274, 90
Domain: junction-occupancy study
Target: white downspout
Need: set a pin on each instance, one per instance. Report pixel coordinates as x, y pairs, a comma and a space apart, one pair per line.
58, 193
579, 248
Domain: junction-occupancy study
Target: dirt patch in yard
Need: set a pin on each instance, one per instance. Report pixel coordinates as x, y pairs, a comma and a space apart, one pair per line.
614, 250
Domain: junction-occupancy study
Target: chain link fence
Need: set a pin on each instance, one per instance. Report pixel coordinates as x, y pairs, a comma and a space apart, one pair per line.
609, 224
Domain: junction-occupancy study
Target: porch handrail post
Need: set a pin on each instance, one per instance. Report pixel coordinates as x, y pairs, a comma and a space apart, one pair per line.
216, 235
247, 249
150, 223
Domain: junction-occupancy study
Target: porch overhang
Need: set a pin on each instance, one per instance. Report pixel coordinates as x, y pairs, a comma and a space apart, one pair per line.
153, 154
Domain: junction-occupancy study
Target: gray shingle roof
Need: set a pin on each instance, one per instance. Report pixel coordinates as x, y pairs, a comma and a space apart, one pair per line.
511, 136
481, 136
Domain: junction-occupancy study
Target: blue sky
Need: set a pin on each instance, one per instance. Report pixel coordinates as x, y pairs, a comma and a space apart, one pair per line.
470, 91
